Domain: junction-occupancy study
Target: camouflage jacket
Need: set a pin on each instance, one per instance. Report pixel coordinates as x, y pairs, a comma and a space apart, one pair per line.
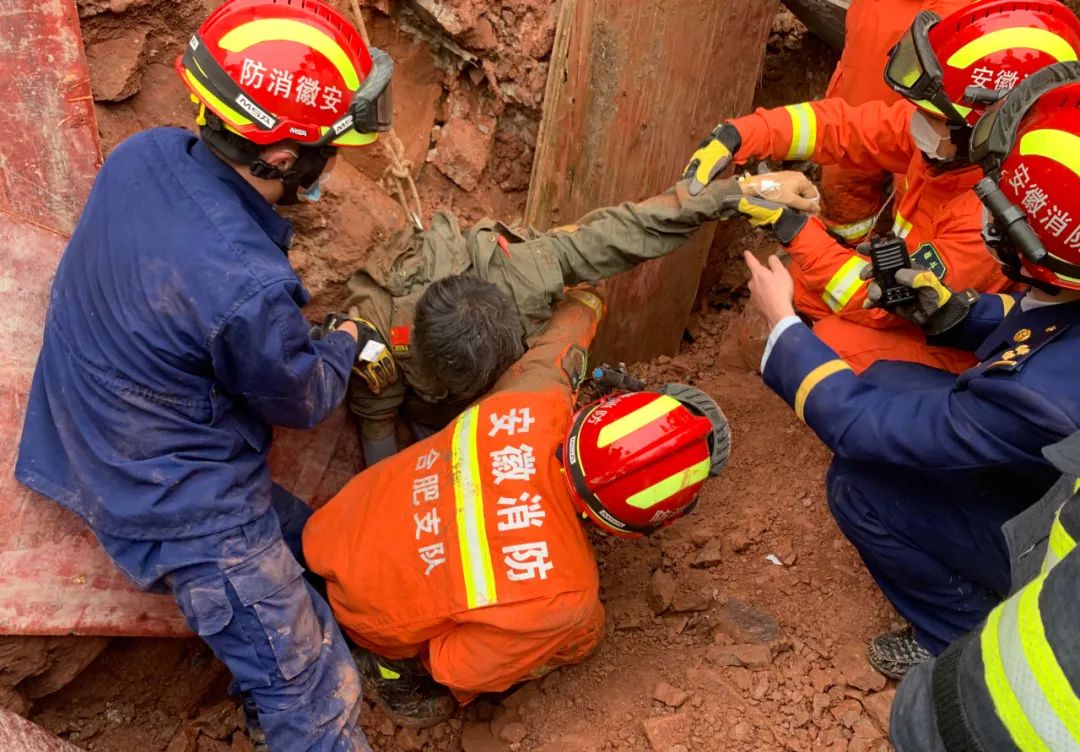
532, 268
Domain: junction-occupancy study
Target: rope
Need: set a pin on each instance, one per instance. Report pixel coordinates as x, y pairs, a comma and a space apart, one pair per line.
399, 173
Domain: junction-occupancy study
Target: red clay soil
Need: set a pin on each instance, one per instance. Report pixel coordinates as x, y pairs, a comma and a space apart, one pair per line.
741, 628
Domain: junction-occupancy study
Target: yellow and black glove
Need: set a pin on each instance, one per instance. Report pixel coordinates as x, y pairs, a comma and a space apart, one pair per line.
936, 308
374, 362
785, 222
712, 156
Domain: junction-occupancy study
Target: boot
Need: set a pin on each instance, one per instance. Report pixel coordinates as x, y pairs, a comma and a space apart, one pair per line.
404, 690
254, 728
896, 653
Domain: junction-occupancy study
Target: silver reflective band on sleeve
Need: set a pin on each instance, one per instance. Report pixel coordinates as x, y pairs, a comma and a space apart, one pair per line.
901, 227
853, 230
1031, 694
803, 130
471, 527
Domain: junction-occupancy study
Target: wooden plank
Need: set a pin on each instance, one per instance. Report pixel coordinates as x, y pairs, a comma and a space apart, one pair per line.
632, 88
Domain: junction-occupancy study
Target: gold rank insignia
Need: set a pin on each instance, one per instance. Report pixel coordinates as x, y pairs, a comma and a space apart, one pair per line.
1008, 355
1022, 350
1022, 336
1050, 329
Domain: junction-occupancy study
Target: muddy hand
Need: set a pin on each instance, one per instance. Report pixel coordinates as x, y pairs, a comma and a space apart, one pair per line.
771, 288
712, 156
790, 188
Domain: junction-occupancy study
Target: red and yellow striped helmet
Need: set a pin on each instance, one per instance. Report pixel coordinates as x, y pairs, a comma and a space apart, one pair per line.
283, 69
635, 462
957, 66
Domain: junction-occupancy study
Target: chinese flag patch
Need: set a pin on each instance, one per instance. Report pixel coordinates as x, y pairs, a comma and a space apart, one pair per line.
400, 336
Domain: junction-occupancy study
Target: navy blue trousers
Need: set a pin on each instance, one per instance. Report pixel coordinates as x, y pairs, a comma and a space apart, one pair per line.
933, 543
242, 591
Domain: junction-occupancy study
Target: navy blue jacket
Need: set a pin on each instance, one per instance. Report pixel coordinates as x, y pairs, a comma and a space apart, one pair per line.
990, 424
173, 340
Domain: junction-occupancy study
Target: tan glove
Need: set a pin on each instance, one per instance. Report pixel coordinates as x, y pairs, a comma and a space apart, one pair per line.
790, 188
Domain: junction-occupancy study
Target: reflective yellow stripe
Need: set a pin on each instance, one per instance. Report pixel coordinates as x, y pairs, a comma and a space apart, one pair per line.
387, 673
627, 424
997, 683
352, 137
1056, 688
1007, 302
844, 284
222, 110
815, 377
1059, 546
472, 530
1017, 38
278, 29
803, 130
592, 300
928, 105
1060, 146
853, 230
901, 227
670, 486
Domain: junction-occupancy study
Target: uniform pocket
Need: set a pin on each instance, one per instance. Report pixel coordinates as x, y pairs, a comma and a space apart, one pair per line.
271, 584
205, 605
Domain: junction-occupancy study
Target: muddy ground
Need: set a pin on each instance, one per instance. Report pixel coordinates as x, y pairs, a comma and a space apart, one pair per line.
739, 629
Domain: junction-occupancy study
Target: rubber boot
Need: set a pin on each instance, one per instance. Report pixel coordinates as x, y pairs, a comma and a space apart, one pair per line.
895, 653
404, 690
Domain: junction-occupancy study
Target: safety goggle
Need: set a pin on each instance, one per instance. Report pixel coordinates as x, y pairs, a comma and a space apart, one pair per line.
915, 72
372, 101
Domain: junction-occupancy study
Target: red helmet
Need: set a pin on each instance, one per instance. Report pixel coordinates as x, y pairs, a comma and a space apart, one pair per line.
288, 69
956, 67
635, 461
1029, 147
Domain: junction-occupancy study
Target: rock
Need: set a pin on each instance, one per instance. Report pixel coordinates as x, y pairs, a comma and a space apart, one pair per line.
386, 728
739, 541
219, 721
678, 748
240, 743
206, 744
785, 552
452, 16
819, 704
669, 695
482, 36
744, 341
183, 740
851, 661
464, 149
693, 600
513, 732
866, 737
820, 679
666, 731
116, 65
879, 706
744, 623
710, 556
848, 712
476, 737
752, 656
408, 740
661, 591
700, 536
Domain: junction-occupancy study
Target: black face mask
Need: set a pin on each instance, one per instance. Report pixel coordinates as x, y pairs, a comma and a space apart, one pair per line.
305, 171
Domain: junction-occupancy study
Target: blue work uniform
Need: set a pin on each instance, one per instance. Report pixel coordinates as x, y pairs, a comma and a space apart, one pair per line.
173, 340
928, 466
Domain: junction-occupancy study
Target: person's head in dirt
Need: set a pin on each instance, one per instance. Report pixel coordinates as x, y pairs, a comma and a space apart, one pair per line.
952, 69
1027, 146
280, 87
469, 332
634, 462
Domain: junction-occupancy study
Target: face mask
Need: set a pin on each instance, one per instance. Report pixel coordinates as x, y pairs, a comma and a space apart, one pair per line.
314, 193
928, 140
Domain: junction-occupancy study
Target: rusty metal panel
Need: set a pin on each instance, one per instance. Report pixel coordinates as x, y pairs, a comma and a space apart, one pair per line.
49, 151
632, 88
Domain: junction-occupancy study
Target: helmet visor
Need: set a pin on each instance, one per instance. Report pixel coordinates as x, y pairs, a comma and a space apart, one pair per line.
913, 69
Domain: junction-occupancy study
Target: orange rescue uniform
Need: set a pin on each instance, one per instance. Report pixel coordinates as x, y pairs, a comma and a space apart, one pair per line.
939, 217
872, 27
465, 549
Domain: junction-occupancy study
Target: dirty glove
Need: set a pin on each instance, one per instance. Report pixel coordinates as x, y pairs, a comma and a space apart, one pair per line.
374, 362
790, 188
936, 308
712, 156
785, 223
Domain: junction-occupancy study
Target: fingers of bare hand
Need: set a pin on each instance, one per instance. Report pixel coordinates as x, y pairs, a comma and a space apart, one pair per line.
775, 264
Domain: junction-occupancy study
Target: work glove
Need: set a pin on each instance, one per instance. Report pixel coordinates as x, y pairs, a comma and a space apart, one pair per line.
789, 187
936, 308
712, 156
374, 362
785, 223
